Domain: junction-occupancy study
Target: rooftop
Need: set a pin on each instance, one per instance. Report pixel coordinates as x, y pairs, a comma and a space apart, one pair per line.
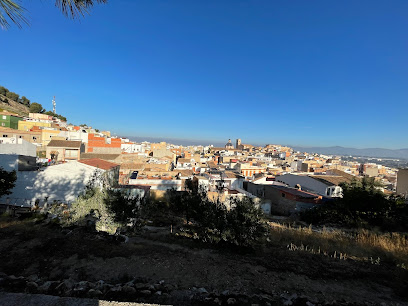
98, 163
65, 144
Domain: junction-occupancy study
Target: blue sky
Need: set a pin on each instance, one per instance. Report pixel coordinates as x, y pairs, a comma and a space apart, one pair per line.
312, 73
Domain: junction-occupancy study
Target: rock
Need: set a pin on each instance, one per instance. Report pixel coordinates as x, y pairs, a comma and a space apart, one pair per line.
114, 292
32, 287
140, 286
151, 288
56, 274
128, 290
130, 284
145, 292
15, 282
231, 301
3, 275
33, 278
161, 282
168, 287
48, 287
202, 290
308, 303
83, 284
65, 287
158, 293
217, 301
92, 293
225, 292
100, 285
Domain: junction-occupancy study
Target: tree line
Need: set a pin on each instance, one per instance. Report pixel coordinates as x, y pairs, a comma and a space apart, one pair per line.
365, 205
14, 96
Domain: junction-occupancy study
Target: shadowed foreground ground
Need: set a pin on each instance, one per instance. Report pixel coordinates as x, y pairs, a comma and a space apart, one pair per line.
162, 269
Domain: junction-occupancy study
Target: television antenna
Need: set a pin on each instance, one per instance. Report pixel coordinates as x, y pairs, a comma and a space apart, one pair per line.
54, 104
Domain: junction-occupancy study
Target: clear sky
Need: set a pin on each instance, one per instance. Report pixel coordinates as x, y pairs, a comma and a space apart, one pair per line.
314, 73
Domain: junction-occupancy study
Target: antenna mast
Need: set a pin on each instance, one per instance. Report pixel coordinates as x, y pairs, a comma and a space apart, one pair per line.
54, 104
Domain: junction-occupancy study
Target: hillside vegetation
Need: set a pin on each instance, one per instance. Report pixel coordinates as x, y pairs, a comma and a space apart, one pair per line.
12, 102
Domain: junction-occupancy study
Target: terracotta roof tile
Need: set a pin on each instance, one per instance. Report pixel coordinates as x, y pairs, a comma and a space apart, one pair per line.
98, 163
65, 144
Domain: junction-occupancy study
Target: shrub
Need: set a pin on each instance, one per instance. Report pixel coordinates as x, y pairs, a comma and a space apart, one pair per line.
242, 225
362, 205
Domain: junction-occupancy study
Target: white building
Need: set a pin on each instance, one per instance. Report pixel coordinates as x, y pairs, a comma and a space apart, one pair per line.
63, 182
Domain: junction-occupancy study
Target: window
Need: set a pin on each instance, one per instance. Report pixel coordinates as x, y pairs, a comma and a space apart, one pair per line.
20, 136
4, 117
3, 124
5, 136
34, 138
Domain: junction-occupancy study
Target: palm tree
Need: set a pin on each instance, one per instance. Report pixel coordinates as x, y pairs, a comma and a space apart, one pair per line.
12, 10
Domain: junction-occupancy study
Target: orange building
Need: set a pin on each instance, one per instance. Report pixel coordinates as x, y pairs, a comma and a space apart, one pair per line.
98, 144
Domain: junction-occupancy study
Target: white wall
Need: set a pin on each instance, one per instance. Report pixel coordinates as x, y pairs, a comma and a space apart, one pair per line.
62, 182
307, 183
158, 184
12, 145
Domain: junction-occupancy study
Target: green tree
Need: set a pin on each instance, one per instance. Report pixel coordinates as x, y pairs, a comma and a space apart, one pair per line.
25, 101
242, 225
12, 95
125, 209
363, 205
7, 181
11, 10
3, 90
36, 108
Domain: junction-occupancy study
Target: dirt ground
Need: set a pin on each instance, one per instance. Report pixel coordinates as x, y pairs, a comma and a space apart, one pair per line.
53, 253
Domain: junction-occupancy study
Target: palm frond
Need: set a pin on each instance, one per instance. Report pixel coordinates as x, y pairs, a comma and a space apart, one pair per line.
76, 8
12, 10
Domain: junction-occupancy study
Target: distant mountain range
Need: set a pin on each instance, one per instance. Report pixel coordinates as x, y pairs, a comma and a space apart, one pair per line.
177, 141
371, 152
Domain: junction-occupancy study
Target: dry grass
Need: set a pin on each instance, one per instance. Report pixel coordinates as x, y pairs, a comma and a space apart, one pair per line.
358, 245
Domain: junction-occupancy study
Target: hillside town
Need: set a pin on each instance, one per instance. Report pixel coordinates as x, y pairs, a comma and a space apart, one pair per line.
55, 160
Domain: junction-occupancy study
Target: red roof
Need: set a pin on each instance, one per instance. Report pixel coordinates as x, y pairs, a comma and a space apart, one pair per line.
99, 163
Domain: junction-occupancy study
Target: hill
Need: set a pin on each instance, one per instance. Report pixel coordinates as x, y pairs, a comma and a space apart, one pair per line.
369, 152
13, 106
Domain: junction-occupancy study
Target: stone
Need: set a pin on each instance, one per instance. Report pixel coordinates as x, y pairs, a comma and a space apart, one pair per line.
128, 290
15, 282
92, 293
140, 286
145, 292
48, 287
202, 290
158, 293
114, 292
56, 274
130, 284
33, 278
225, 292
231, 301
32, 287
168, 287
